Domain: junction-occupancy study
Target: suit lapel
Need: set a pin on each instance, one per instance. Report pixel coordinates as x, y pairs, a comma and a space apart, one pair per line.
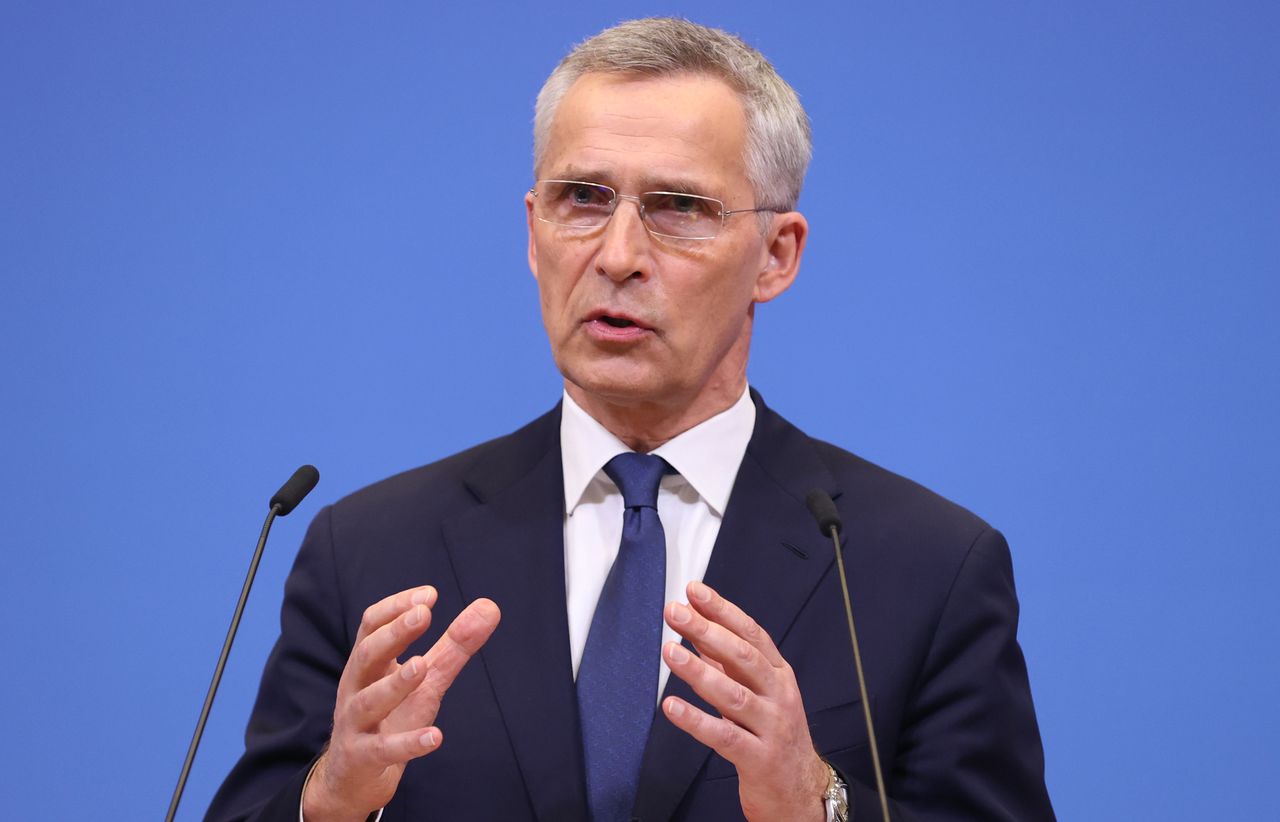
768, 558
510, 548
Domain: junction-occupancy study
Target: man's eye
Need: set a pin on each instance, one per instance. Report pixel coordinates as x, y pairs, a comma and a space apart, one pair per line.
581, 195
684, 205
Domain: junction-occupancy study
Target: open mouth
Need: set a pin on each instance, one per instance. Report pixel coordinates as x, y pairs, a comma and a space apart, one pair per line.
613, 328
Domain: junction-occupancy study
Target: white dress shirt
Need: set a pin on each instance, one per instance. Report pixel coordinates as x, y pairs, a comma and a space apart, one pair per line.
691, 505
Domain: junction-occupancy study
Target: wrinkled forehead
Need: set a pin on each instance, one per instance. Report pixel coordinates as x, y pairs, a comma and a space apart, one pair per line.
675, 132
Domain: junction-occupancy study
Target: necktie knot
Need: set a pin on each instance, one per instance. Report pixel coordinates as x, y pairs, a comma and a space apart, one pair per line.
637, 477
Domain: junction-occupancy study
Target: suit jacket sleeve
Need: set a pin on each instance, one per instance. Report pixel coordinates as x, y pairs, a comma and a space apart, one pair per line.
969, 747
292, 717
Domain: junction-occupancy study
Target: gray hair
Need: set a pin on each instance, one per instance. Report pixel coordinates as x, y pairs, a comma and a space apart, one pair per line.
779, 143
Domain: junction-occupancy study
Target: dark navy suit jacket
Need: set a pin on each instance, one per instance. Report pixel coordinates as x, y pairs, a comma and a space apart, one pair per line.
932, 591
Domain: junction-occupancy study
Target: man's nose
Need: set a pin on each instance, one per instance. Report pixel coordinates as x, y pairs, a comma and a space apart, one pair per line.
626, 244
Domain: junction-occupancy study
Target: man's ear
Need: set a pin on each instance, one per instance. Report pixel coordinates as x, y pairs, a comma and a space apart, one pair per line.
784, 246
533, 251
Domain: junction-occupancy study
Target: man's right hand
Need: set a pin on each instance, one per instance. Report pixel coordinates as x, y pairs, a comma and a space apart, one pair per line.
385, 710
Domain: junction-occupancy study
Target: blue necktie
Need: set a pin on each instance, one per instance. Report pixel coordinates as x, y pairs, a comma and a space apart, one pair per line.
618, 676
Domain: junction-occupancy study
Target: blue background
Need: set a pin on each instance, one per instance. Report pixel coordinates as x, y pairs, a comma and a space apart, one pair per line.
238, 237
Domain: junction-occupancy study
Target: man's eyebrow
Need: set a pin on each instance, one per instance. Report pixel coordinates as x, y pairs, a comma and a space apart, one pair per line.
679, 185
580, 174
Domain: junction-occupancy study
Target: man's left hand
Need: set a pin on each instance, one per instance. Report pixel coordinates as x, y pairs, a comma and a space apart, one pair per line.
762, 728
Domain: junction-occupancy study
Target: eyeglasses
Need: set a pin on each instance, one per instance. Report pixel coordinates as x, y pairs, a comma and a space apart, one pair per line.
576, 204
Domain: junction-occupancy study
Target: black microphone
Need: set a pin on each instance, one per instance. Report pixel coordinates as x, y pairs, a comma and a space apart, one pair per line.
297, 487
824, 511
284, 501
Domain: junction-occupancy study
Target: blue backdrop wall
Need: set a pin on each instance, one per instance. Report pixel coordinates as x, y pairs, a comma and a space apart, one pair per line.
231, 242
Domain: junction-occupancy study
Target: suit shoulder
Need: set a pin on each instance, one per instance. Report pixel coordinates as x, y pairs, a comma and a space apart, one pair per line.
872, 499
459, 479
912, 540
888, 500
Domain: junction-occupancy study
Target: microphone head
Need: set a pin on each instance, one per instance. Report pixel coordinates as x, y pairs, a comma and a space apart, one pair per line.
824, 511
293, 491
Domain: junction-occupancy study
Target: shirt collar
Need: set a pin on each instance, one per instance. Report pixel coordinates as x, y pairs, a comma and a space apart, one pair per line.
707, 456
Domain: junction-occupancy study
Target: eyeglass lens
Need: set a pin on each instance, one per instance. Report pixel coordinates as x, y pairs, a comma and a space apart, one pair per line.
589, 205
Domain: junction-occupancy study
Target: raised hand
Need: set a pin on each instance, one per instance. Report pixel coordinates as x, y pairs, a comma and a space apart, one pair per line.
762, 728
384, 711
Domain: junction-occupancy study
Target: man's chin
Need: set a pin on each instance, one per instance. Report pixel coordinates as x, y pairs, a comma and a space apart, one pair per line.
617, 389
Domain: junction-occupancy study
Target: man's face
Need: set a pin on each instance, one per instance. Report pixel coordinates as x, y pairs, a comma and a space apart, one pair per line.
649, 322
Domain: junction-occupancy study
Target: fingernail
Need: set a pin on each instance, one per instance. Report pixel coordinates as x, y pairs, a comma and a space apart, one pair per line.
701, 592
423, 597
677, 654
679, 614
415, 616
428, 739
410, 669
675, 707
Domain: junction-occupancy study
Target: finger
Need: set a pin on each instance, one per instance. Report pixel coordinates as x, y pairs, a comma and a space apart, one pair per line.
374, 656
704, 599
397, 748
732, 654
721, 735
735, 701
388, 608
463, 638
371, 706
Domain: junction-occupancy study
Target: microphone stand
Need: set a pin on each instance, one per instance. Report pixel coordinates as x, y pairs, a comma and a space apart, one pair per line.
285, 500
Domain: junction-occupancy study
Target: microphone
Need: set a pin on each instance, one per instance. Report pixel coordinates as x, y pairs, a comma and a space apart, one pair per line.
293, 491
823, 509
284, 501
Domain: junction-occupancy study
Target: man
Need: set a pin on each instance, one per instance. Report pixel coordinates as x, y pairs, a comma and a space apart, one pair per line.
522, 583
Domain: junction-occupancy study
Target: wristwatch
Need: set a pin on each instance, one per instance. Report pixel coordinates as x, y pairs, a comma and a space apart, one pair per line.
836, 798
